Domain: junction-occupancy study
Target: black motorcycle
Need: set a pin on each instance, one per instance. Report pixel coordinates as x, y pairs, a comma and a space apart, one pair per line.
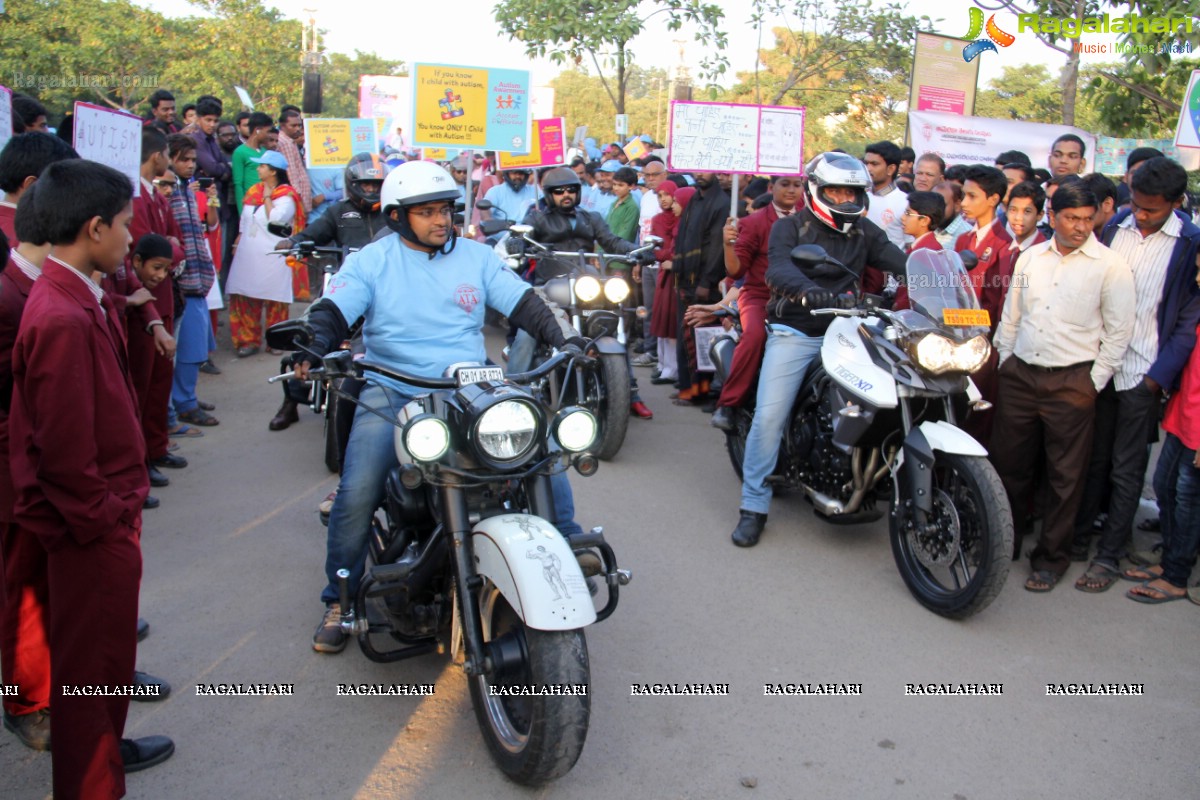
596, 303
465, 558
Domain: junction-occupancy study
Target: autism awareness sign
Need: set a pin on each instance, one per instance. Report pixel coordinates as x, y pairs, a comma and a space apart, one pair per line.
1187, 132
995, 36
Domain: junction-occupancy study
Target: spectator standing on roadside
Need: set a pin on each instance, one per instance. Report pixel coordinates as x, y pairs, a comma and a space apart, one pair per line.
21, 162
162, 113
887, 203
699, 266
245, 173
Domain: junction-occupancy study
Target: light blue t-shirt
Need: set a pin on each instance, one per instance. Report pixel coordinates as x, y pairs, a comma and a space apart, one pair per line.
601, 202
513, 204
423, 314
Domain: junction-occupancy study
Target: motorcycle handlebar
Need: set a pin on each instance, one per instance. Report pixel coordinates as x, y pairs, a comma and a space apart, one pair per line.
424, 382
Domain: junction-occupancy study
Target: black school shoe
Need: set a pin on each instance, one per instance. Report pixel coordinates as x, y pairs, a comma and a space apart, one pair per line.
140, 754
170, 461
157, 479
147, 680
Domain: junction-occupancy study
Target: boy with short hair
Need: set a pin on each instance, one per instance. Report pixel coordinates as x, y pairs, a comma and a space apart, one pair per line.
78, 463
983, 188
1026, 203
625, 212
21, 162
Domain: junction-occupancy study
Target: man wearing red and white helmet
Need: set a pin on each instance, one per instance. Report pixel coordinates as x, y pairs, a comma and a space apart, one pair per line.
834, 217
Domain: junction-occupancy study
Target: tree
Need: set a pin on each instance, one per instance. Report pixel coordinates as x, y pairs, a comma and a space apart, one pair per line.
1142, 113
580, 99
1152, 63
569, 30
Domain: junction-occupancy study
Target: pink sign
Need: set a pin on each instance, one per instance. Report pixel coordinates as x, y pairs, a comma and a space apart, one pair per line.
937, 98
549, 150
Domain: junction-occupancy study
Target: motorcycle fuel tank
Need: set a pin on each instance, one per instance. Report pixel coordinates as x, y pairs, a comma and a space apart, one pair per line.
846, 360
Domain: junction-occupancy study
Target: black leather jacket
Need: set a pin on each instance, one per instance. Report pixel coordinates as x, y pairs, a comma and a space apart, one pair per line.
346, 225
554, 229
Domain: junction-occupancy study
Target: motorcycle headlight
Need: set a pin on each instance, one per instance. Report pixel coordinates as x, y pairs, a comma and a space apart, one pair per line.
587, 289
507, 431
937, 354
575, 429
616, 290
426, 438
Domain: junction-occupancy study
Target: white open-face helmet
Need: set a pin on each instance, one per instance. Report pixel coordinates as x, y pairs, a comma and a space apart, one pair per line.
837, 169
411, 184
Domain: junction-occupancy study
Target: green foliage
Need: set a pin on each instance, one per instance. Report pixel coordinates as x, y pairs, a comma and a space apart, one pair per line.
1124, 112
115, 53
580, 99
567, 31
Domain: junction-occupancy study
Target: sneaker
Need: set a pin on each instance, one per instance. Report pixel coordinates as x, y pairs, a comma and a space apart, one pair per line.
209, 368
330, 638
646, 360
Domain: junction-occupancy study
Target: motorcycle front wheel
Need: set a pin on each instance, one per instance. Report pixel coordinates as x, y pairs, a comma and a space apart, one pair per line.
958, 564
735, 440
612, 411
533, 738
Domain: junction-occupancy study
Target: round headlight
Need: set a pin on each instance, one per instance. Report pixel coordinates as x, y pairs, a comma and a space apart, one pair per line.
616, 290
427, 438
576, 429
587, 288
507, 430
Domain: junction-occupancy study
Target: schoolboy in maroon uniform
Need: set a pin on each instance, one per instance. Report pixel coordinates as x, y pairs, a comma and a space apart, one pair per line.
746, 257
24, 625
21, 161
983, 189
79, 473
151, 366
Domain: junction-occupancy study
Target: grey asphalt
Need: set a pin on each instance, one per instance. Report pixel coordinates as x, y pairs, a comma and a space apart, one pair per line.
234, 566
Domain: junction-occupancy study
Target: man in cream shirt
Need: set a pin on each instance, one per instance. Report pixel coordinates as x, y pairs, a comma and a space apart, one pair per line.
1066, 324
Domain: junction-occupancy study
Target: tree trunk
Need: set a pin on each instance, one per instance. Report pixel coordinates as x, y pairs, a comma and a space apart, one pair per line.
1070, 87
621, 78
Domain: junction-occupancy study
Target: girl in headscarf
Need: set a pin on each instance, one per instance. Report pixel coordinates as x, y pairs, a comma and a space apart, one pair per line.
664, 314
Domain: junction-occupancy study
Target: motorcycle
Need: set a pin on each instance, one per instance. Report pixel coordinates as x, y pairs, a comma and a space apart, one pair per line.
875, 421
465, 560
336, 412
595, 304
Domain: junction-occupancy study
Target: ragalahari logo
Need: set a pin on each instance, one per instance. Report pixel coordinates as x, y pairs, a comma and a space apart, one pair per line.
994, 37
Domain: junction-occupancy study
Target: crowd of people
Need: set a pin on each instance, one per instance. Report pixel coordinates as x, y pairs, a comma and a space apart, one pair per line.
110, 302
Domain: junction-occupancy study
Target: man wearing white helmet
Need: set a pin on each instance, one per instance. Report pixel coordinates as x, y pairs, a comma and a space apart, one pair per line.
422, 294
833, 217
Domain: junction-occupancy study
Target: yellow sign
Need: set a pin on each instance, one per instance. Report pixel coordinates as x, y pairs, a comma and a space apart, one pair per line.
451, 105
434, 154
381, 127
635, 149
331, 142
966, 317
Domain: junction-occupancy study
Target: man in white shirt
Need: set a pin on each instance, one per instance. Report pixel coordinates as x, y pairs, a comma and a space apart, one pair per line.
653, 174
1160, 246
1066, 325
887, 203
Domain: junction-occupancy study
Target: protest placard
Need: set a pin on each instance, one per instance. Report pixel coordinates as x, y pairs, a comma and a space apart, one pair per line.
331, 142
727, 137
471, 107
110, 137
549, 148
5, 115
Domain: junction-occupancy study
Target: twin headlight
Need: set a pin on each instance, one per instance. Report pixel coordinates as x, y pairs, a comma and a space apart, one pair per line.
504, 433
937, 354
588, 288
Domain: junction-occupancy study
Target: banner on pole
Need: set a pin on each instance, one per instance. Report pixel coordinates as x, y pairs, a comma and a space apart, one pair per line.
1187, 132
978, 140
549, 147
331, 142
110, 137
471, 107
727, 137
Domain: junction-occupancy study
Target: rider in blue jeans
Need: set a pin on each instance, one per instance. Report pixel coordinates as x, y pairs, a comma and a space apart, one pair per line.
835, 196
422, 294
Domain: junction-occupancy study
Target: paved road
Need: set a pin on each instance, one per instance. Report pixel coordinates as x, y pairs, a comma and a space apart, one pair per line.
233, 568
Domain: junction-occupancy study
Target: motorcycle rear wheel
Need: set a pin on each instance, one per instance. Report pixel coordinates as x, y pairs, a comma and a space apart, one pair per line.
612, 412
534, 739
972, 546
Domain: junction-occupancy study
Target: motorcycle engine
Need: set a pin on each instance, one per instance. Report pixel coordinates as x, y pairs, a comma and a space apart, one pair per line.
819, 464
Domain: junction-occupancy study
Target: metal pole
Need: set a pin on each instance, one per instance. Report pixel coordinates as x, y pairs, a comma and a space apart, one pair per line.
733, 200
469, 195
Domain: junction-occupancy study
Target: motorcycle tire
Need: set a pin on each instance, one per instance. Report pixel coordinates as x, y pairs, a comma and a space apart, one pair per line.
735, 440
613, 410
972, 511
534, 739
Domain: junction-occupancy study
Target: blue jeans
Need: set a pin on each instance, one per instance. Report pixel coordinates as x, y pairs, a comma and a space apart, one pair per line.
785, 362
370, 456
1177, 484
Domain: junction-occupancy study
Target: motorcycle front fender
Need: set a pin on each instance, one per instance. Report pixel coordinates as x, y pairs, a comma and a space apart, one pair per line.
532, 565
916, 472
608, 345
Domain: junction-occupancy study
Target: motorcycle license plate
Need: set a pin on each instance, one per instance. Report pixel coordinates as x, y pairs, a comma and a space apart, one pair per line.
465, 376
966, 317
